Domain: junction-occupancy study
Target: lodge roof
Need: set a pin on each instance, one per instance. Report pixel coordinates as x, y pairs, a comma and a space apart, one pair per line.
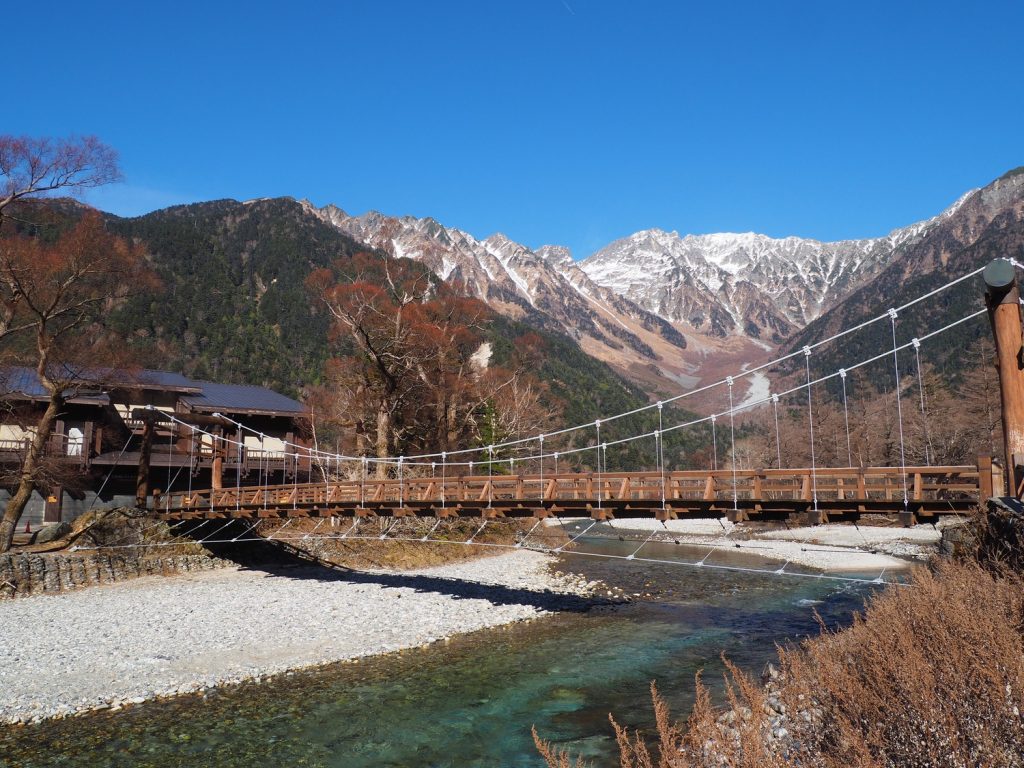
241, 398
201, 396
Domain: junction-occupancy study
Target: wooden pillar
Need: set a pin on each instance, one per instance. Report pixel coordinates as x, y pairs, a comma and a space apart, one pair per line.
217, 464
1003, 301
145, 451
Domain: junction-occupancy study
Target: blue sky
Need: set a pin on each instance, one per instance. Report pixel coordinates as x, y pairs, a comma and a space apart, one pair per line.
553, 121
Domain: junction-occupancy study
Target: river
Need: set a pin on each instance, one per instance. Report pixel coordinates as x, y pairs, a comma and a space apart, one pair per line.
471, 701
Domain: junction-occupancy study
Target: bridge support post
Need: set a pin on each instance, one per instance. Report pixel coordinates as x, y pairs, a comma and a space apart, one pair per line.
1002, 298
142, 476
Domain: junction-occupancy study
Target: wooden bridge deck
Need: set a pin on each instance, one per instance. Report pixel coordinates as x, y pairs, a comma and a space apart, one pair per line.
841, 493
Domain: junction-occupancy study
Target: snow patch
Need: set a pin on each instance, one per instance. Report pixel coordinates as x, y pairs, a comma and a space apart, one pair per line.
482, 357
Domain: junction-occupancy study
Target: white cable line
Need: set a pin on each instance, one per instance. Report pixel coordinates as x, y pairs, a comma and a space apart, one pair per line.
778, 441
659, 446
746, 406
846, 418
632, 555
732, 440
928, 452
641, 409
573, 539
714, 443
541, 494
810, 421
192, 463
522, 541
110, 472
899, 407
649, 560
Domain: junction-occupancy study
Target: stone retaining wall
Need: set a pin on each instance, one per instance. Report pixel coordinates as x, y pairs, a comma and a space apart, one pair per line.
22, 575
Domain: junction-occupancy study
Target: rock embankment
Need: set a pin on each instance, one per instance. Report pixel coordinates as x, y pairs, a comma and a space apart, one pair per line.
22, 575
125, 643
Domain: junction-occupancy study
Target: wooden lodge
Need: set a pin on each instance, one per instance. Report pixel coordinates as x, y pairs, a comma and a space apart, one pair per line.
99, 439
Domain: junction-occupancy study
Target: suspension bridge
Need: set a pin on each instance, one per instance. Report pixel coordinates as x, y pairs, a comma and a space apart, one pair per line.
521, 478
475, 482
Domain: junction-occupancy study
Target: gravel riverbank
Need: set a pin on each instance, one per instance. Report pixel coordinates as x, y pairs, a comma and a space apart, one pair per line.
832, 547
125, 643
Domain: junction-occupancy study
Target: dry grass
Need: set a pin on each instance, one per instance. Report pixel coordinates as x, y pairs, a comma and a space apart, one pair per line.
394, 552
930, 675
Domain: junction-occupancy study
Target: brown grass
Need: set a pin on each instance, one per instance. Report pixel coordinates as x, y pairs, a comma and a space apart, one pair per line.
395, 553
927, 675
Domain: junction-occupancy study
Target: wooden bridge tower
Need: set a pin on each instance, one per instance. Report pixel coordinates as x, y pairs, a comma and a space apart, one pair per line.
1002, 298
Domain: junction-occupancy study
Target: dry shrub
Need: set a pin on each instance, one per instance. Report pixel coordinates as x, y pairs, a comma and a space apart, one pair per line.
554, 757
928, 675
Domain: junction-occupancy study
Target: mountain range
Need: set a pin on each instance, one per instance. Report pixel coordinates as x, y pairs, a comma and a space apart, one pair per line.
664, 309
651, 315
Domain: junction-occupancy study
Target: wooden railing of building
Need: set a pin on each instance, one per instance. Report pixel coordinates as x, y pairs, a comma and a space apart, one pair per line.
818, 495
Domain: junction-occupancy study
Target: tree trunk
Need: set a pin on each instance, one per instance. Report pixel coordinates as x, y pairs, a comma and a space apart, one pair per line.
383, 430
27, 483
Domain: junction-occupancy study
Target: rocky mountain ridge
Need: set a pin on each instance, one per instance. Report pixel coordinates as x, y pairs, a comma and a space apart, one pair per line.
663, 308
747, 284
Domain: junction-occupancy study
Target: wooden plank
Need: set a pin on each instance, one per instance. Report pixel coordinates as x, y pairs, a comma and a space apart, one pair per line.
709, 488
985, 484
552, 487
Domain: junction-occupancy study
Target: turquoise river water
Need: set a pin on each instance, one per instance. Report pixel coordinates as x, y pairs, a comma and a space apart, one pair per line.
471, 701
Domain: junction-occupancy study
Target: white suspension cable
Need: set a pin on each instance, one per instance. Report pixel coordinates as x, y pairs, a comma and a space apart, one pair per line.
738, 409
846, 419
899, 408
691, 393
714, 443
810, 421
924, 413
659, 447
732, 441
778, 441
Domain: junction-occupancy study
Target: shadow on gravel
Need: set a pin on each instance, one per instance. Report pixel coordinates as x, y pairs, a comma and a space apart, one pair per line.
280, 559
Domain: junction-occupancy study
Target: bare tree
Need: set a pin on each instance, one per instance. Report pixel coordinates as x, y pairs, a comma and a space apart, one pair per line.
65, 288
31, 167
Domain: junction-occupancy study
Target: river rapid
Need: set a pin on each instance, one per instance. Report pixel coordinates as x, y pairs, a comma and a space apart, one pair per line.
471, 701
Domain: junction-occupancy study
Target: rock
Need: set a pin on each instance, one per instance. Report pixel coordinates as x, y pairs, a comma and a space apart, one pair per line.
51, 532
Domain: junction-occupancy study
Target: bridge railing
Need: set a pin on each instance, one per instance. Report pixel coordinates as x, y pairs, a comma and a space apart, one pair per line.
720, 486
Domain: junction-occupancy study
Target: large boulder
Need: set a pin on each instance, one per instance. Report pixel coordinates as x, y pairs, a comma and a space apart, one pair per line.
51, 532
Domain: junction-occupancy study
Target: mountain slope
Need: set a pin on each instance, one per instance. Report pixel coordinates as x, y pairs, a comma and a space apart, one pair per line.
544, 286
988, 224
746, 284
234, 307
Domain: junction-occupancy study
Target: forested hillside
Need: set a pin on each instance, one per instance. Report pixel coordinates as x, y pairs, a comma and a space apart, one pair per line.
234, 306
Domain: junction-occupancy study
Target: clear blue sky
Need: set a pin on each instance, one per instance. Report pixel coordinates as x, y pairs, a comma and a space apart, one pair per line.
553, 121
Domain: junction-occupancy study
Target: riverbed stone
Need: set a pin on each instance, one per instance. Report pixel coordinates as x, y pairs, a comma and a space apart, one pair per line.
161, 636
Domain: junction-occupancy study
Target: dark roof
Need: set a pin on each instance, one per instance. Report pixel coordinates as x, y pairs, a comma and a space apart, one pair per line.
21, 381
17, 380
163, 380
242, 398
206, 396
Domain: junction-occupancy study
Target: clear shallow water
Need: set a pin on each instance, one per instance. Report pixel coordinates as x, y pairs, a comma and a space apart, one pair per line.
472, 701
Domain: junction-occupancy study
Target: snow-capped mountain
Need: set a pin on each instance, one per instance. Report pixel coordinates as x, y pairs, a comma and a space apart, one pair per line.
747, 284
641, 301
545, 285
